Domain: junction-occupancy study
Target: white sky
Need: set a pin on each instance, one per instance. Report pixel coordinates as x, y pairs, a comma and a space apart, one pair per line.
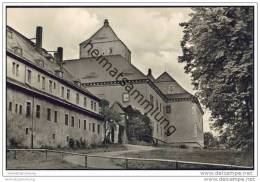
152, 34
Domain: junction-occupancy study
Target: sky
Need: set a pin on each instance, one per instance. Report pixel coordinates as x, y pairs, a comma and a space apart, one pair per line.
152, 34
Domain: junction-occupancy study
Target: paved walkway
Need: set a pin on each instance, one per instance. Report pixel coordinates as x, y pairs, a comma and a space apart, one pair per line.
105, 163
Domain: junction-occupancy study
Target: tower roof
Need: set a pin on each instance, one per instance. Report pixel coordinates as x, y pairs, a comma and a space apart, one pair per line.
165, 77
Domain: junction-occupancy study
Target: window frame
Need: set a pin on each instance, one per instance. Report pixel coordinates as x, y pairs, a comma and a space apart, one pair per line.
85, 124
98, 128
66, 118
123, 97
168, 109
50, 86
20, 109
29, 76
38, 112
77, 98
10, 106
85, 102
62, 91
48, 114
55, 116
17, 70
28, 112
68, 94
72, 121
43, 82
93, 127
16, 108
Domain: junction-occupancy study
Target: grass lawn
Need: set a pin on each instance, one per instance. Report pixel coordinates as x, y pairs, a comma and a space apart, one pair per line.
37, 160
195, 155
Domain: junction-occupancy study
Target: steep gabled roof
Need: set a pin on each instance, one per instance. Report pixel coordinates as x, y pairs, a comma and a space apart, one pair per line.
104, 34
117, 107
164, 77
165, 80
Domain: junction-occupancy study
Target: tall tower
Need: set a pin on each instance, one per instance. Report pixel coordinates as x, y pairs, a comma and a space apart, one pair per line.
106, 42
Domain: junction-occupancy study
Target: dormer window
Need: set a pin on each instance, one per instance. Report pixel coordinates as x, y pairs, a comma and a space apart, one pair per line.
59, 73
9, 34
18, 51
76, 82
39, 62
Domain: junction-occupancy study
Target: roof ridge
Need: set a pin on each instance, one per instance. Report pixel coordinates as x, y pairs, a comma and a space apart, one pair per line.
99, 31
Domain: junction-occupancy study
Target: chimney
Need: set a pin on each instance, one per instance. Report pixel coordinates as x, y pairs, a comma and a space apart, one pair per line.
60, 56
106, 23
56, 57
38, 38
149, 75
149, 72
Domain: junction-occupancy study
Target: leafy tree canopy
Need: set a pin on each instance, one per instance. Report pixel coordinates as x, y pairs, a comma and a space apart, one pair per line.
217, 48
210, 140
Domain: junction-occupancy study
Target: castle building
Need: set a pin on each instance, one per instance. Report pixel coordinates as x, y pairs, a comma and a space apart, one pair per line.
46, 106
105, 69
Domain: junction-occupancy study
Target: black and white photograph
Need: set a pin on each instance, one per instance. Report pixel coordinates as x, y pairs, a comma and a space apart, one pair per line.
117, 89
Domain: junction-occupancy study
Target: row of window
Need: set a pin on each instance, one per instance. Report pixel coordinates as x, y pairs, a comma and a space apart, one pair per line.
52, 86
91, 126
126, 98
49, 116
18, 108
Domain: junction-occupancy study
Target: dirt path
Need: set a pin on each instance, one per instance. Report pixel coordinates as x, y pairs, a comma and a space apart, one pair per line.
105, 163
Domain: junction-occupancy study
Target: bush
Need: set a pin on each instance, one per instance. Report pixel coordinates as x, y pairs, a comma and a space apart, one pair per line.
93, 145
78, 144
46, 147
13, 143
71, 143
82, 143
183, 146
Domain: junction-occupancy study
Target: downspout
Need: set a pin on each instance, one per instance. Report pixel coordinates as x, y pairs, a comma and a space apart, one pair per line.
32, 122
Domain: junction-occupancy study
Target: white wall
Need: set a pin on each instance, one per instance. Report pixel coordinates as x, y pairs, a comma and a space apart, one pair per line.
22, 77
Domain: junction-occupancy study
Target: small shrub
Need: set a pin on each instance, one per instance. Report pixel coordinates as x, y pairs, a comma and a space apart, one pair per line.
71, 143
78, 144
93, 145
82, 143
183, 146
13, 143
46, 147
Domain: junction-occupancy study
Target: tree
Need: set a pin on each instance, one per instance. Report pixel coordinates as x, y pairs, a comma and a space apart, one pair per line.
210, 140
217, 48
110, 117
138, 125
